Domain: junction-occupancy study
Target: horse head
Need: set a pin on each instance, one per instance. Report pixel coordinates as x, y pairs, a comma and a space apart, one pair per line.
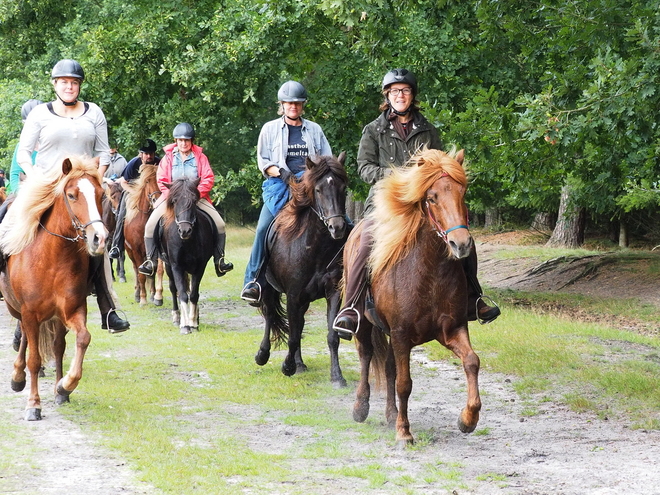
182, 204
329, 180
445, 204
82, 196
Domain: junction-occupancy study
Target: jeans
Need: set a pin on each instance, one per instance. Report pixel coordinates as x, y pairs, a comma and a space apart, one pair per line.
258, 252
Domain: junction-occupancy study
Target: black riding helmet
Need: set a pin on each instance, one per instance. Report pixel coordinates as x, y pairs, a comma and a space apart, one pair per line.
68, 68
292, 91
400, 76
184, 130
28, 106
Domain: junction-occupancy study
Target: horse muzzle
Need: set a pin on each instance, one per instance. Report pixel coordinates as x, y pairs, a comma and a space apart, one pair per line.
337, 227
460, 243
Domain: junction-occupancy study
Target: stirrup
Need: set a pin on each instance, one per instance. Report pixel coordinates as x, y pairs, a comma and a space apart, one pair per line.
493, 304
147, 269
252, 301
342, 329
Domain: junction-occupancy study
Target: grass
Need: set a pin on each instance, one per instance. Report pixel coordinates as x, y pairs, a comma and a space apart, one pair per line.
194, 414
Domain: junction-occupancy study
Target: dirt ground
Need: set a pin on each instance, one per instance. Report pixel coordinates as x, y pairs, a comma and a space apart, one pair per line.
553, 452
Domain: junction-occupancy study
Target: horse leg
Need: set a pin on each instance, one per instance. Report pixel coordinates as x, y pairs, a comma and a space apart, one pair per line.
59, 346
136, 293
31, 339
141, 293
193, 300
158, 283
18, 377
121, 272
461, 346
403, 390
176, 314
79, 326
293, 362
363, 392
391, 411
181, 288
336, 376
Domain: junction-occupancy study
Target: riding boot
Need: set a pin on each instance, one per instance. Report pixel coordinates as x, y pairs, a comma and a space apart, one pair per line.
221, 266
148, 268
109, 319
477, 308
118, 236
347, 321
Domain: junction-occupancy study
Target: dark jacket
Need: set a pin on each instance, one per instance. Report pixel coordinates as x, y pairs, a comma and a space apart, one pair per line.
381, 147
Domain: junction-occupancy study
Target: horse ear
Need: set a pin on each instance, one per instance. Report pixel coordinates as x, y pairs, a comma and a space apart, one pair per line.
309, 163
460, 156
167, 184
196, 181
342, 158
66, 166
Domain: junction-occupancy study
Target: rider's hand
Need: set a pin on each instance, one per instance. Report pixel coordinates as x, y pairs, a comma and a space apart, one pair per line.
285, 175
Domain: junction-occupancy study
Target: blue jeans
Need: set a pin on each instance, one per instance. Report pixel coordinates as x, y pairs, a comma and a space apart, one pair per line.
259, 245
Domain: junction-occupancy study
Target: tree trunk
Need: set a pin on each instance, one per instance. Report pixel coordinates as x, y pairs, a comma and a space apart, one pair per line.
493, 220
543, 221
569, 231
623, 234
354, 209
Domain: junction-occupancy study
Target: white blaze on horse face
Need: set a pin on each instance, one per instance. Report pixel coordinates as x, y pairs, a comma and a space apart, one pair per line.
87, 189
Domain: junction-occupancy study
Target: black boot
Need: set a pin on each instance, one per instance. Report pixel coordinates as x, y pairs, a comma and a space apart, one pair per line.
221, 266
113, 323
148, 268
118, 236
477, 309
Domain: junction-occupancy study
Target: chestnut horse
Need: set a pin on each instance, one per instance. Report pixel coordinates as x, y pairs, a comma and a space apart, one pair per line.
186, 239
110, 204
419, 233
139, 205
306, 252
54, 229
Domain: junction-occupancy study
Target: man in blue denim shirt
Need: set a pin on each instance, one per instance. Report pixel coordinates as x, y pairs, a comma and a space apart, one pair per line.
283, 146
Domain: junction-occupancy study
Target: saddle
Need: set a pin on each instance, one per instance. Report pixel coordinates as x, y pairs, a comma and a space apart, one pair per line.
370, 311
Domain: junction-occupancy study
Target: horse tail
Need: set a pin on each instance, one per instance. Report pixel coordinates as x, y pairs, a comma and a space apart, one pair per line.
381, 346
46, 336
275, 314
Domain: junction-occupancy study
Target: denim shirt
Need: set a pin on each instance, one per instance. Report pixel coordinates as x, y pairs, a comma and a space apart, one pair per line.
274, 139
186, 168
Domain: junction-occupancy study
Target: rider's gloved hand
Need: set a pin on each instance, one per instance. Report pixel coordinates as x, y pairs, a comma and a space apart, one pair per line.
285, 175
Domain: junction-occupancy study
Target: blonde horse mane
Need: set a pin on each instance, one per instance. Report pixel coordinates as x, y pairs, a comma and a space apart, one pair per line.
138, 189
398, 214
37, 194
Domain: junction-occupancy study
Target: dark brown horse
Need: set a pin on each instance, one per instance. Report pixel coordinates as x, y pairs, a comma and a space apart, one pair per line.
419, 233
306, 254
139, 205
55, 227
111, 199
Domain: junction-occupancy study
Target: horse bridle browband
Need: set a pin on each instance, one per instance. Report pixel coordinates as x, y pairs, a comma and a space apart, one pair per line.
78, 226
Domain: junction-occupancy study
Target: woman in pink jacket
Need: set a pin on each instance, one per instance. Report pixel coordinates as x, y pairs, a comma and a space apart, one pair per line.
184, 159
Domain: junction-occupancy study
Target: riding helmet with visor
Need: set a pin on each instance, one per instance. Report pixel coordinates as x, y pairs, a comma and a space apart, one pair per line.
68, 68
292, 91
184, 130
400, 76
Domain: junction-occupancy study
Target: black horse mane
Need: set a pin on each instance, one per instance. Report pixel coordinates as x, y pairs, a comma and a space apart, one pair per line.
184, 193
294, 216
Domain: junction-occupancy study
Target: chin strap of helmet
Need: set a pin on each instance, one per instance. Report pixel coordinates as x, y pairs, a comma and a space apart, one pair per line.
396, 112
67, 103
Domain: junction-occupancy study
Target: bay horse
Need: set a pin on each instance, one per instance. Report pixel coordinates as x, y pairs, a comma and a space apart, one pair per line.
187, 240
55, 228
418, 230
306, 262
110, 205
139, 204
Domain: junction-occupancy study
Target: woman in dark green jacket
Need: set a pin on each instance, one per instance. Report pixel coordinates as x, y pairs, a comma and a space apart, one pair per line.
398, 133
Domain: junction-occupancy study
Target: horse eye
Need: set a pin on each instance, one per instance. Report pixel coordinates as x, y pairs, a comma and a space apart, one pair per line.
431, 200
71, 196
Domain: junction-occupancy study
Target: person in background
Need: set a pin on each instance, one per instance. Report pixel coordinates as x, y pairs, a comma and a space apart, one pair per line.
184, 159
146, 156
116, 167
389, 141
282, 149
15, 172
70, 126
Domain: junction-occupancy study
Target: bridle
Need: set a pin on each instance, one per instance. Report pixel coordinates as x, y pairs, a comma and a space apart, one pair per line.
78, 226
189, 222
436, 225
323, 217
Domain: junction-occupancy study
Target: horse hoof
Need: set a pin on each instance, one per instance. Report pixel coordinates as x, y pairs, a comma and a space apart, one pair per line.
337, 384
60, 390
261, 357
404, 443
122, 280
158, 302
17, 386
288, 370
137, 299
465, 428
61, 399
301, 368
33, 414
360, 412
185, 330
